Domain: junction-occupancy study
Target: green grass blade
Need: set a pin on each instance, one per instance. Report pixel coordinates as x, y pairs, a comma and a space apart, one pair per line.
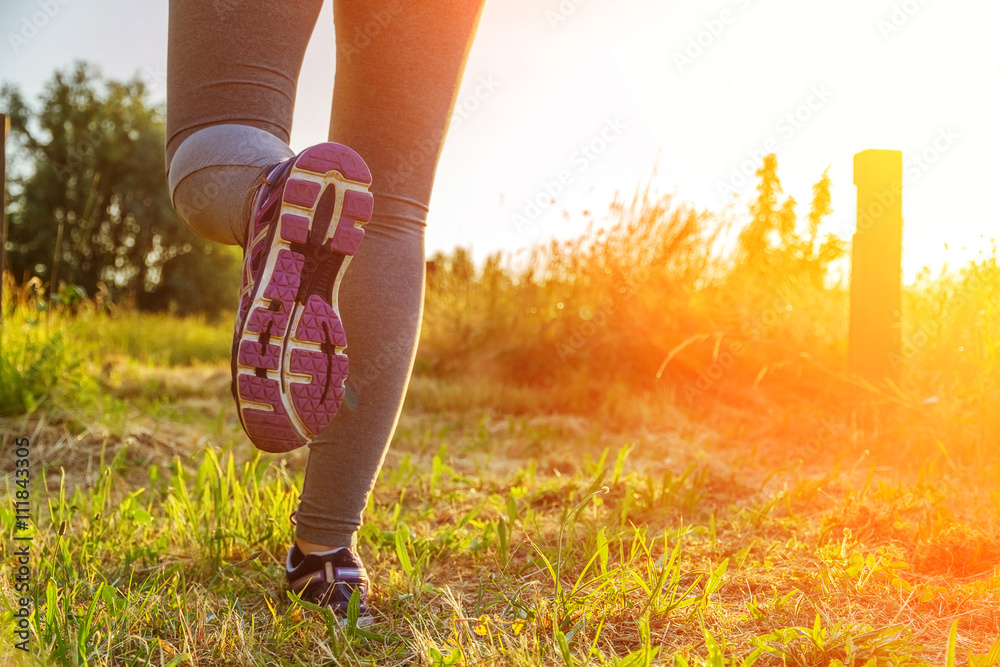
952, 642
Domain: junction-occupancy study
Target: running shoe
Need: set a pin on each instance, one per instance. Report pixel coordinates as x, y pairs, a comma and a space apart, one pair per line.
328, 579
288, 359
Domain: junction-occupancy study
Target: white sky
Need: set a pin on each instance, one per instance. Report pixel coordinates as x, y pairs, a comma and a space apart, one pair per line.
613, 66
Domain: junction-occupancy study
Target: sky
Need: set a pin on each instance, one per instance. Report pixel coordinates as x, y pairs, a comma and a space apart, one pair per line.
567, 104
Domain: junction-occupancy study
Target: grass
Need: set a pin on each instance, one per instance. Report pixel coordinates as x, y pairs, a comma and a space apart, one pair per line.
499, 539
588, 470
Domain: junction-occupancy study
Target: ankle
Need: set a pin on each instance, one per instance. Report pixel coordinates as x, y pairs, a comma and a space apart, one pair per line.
307, 547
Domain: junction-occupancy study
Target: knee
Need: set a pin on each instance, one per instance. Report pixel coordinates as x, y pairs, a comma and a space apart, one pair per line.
211, 202
195, 202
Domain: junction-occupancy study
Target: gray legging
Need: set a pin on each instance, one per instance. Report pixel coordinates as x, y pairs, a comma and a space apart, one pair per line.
232, 72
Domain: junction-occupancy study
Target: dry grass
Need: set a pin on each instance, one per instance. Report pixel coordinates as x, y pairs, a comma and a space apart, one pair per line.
803, 540
761, 505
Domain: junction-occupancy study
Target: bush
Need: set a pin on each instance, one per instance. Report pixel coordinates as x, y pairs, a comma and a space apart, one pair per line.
38, 364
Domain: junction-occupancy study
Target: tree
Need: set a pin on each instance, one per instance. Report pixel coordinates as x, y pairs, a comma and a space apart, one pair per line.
759, 239
89, 200
773, 244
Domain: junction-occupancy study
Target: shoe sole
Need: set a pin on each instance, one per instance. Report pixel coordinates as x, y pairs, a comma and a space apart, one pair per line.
289, 363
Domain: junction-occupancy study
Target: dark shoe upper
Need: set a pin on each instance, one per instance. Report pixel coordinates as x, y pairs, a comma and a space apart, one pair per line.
328, 579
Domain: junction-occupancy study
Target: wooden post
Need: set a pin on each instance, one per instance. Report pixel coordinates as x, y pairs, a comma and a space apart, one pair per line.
876, 266
4, 127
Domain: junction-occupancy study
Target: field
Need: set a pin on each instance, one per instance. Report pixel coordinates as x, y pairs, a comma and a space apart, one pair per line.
640, 447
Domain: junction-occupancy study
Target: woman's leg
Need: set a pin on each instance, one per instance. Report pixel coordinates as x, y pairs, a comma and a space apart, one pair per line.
232, 71
232, 75
399, 64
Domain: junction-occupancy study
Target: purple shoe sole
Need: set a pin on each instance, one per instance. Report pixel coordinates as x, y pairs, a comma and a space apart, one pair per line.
289, 365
